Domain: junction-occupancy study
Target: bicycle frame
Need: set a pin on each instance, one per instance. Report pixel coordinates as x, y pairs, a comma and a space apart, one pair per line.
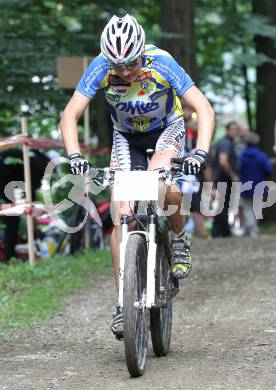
150, 237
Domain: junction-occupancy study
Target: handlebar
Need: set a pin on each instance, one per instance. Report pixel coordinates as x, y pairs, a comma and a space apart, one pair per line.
177, 161
105, 176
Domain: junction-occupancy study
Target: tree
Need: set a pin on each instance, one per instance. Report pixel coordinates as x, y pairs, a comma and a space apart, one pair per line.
177, 26
33, 34
266, 72
224, 47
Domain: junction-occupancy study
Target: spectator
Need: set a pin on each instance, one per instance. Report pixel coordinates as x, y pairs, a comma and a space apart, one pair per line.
255, 167
196, 181
226, 169
240, 143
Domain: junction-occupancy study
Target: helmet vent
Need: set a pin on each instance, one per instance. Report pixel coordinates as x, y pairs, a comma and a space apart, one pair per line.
130, 31
129, 49
110, 52
108, 38
118, 45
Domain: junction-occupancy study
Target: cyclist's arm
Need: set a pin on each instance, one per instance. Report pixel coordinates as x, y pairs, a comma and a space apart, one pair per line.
205, 116
68, 125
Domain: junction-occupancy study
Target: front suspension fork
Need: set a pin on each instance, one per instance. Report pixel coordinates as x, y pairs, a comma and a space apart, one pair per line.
150, 237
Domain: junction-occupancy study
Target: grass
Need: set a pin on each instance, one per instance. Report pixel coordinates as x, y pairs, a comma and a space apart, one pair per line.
267, 228
29, 296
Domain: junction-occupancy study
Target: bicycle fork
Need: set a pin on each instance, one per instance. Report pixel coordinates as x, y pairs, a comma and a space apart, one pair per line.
150, 237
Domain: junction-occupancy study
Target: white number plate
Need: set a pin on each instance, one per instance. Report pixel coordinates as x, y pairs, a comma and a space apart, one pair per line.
136, 185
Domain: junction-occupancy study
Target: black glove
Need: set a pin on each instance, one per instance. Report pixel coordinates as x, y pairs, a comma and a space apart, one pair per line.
79, 166
195, 163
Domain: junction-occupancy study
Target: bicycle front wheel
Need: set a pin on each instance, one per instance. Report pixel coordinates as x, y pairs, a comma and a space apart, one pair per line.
136, 316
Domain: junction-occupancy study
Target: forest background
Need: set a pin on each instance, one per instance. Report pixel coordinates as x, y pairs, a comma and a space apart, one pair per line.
227, 46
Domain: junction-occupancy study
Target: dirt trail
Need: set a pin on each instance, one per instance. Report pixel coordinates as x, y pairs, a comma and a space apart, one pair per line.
224, 331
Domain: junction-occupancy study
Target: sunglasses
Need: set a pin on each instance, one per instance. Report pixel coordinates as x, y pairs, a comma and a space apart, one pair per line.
129, 65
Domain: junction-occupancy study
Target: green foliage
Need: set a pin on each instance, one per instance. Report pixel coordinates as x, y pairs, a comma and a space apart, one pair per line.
35, 32
220, 30
28, 296
225, 42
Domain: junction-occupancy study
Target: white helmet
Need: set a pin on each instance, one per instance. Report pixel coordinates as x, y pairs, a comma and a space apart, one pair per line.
122, 40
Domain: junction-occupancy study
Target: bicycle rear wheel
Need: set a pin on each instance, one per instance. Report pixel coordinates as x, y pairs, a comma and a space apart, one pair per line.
161, 316
136, 319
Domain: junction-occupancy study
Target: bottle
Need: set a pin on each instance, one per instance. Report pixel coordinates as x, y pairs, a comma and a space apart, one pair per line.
44, 251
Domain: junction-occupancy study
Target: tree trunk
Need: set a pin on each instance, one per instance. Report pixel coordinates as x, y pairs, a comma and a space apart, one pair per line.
103, 123
266, 79
177, 16
247, 96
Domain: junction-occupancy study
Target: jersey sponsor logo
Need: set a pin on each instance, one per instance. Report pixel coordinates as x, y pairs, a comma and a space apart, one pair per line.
113, 97
116, 80
141, 93
144, 76
144, 84
140, 122
180, 136
139, 107
120, 91
149, 61
147, 88
176, 141
157, 95
178, 106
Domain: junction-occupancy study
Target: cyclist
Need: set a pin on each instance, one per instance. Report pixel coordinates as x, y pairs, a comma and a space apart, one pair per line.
143, 86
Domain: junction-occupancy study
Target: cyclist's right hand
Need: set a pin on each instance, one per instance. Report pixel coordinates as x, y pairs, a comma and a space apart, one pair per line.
78, 165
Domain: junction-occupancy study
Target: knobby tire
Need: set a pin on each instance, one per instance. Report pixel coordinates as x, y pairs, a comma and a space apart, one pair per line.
136, 321
161, 317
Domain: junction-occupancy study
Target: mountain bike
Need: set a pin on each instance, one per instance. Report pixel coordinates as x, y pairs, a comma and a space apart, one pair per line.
146, 285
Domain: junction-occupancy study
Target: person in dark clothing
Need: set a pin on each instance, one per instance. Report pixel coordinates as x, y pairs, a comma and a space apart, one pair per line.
255, 167
12, 169
198, 217
226, 169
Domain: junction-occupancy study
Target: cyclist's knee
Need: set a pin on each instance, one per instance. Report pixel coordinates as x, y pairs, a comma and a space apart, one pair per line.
161, 158
117, 209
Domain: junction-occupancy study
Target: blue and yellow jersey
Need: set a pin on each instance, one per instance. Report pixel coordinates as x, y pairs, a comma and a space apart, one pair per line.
150, 102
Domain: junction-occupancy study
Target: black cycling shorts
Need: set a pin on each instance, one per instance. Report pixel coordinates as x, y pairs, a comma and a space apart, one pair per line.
129, 150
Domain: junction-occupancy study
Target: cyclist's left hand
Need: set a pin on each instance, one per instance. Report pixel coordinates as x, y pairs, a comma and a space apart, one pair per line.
78, 165
195, 163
